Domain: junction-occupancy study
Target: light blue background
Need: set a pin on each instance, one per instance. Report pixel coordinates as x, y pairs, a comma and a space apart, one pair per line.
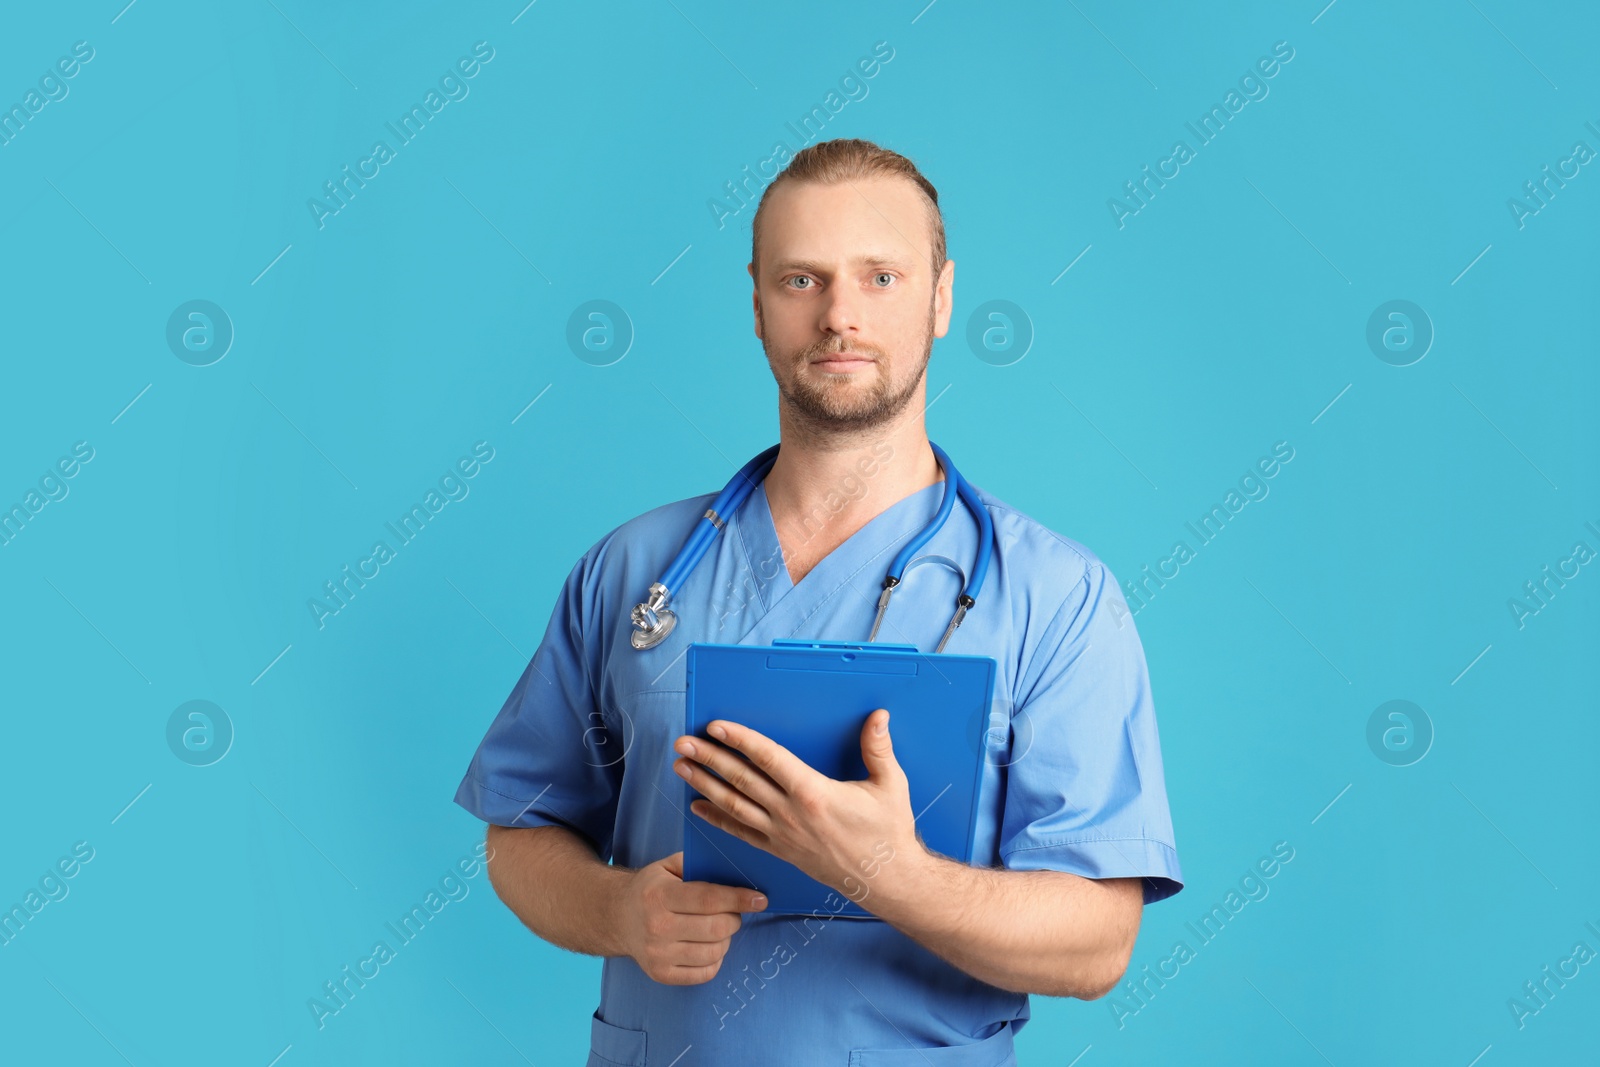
1227, 315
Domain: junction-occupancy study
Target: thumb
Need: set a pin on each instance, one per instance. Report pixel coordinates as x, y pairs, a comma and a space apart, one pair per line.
877, 751
673, 864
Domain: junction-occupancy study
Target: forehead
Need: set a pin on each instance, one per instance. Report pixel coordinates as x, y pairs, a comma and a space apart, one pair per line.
835, 223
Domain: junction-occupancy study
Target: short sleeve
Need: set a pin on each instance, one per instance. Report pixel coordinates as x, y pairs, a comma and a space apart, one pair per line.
1085, 791
548, 758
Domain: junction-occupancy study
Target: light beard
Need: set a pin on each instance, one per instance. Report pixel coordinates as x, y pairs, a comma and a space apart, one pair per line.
838, 403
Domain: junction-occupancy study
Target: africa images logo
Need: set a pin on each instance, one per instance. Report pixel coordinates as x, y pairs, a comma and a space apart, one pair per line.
1207, 128
741, 194
452, 87
453, 485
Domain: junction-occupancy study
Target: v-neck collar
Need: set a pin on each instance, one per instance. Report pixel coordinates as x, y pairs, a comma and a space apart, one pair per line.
868, 547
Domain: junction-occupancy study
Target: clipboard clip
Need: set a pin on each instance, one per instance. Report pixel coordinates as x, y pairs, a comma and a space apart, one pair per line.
845, 646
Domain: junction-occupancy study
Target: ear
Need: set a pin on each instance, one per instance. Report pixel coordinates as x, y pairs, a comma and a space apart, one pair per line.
944, 298
755, 299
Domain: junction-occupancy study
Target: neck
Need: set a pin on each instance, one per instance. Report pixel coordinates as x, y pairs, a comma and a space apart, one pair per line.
847, 478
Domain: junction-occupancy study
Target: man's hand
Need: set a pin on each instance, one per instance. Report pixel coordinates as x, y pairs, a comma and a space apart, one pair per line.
677, 931
767, 796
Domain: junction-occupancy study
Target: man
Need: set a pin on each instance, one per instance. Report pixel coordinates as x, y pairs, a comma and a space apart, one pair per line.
583, 763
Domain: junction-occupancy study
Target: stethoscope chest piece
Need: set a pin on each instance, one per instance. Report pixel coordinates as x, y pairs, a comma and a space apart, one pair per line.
652, 620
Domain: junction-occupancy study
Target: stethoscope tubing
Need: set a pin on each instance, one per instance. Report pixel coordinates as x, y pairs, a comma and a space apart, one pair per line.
653, 619
733, 495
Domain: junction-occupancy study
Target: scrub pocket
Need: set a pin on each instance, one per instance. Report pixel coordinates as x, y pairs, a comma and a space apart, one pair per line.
996, 1050
614, 1046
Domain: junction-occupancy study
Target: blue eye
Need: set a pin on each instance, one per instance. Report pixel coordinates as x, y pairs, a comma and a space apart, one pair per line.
800, 278
884, 274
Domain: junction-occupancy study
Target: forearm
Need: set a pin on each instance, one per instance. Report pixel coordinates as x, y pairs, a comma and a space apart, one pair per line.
554, 882
1045, 932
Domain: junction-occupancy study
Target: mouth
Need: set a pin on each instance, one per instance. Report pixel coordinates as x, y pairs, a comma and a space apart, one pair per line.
842, 362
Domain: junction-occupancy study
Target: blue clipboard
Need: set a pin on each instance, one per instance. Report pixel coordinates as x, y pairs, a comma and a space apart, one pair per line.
812, 697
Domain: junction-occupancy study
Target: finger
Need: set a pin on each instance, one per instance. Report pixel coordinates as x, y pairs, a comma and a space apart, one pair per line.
709, 898
730, 767
706, 928
877, 750
673, 864
729, 825
789, 771
697, 953
730, 798
690, 975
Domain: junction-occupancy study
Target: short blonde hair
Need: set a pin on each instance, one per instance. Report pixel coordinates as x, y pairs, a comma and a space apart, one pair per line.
852, 159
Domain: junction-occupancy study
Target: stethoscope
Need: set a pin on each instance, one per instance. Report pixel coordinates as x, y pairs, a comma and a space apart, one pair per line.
653, 620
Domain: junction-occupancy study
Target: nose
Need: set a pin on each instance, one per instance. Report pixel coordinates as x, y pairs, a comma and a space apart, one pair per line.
842, 311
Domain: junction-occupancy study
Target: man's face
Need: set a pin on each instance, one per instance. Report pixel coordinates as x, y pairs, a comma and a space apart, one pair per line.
846, 302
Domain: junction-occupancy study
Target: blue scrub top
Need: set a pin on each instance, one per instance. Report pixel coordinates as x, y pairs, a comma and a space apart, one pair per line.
1073, 780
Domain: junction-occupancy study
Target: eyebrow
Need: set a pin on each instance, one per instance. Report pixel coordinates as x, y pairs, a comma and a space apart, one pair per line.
868, 259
